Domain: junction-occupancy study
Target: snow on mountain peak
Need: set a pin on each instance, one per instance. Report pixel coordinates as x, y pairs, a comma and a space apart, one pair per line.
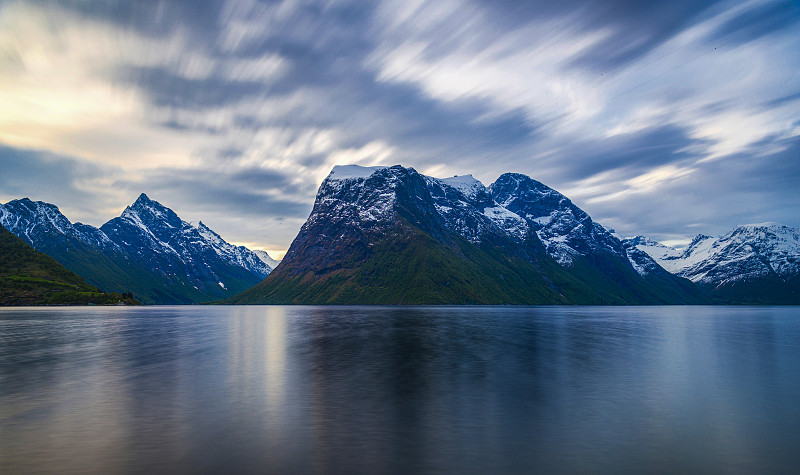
565, 230
143, 202
466, 184
148, 237
664, 255
154, 233
345, 172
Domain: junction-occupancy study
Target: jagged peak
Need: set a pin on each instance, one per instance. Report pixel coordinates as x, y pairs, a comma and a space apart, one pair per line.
144, 203
206, 232
146, 213
33, 209
266, 258
514, 176
520, 179
510, 188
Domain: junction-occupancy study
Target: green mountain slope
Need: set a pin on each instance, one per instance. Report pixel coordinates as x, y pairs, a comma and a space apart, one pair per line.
29, 277
409, 267
614, 282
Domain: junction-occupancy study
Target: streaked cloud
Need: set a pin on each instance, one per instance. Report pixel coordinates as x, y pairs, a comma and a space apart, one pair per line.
654, 116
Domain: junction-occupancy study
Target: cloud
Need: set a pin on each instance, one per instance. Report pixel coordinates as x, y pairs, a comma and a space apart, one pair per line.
250, 205
629, 155
236, 110
713, 198
78, 187
252, 192
758, 20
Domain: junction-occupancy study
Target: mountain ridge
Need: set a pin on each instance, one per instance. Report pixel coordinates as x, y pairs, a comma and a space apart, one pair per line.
753, 263
147, 250
371, 214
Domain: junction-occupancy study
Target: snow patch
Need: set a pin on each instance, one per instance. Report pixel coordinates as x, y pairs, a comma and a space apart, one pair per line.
543, 220
466, 184
512, 223
382, 206
346, 172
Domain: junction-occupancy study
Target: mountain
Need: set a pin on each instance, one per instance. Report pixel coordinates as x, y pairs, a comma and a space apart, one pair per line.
193, 262
586, 249
755, 263
148, 251
29, 277
83, 249
379, 236
388, 235
266, 258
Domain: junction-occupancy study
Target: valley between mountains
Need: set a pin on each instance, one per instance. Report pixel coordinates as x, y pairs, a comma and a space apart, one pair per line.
389, 235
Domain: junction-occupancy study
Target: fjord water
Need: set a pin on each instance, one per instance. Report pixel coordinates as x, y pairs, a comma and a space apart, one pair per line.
403, 390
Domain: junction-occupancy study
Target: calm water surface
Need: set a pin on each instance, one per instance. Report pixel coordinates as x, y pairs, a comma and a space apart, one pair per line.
400, 390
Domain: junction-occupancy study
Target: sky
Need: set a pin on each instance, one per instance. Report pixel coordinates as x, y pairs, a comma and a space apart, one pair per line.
666, 119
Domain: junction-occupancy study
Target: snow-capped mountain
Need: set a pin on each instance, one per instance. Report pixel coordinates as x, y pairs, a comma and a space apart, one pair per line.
375, 231
266, 258
662, 254
148, 250
192, 254
468, 209
755, 262
584, 247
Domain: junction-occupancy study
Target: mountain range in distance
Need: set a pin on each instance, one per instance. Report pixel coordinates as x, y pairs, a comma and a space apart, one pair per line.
754, 263
389, 235
147, 251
